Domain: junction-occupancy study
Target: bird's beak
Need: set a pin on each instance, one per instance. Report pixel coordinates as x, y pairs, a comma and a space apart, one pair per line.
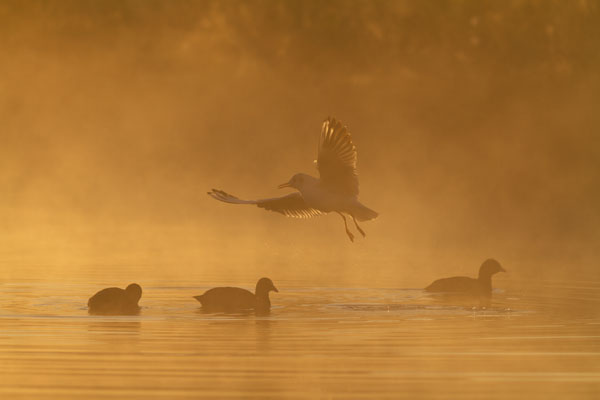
284, 185
275, 289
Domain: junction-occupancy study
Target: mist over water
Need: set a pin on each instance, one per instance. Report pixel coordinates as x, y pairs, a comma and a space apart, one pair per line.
476, 124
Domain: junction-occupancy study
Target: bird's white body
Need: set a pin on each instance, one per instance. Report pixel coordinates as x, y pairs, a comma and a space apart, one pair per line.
335, 191
320, 196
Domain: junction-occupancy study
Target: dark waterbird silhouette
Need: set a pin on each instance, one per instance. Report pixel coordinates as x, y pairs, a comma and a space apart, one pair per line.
336, 189
116, 301
233, 299
482, 286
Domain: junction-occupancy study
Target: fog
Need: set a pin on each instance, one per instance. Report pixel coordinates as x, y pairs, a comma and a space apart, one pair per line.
476, 124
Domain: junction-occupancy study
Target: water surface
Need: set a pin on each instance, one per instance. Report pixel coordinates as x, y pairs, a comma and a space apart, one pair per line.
318, 342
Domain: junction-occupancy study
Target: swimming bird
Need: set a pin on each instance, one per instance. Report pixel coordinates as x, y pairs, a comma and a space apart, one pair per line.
336, 189
482, 286
116, 301
232, 299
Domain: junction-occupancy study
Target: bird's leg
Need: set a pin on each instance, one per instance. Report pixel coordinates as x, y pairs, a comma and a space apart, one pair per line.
350, 235
358, 227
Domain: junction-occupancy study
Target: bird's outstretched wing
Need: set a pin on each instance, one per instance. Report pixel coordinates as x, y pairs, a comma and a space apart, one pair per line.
337, 157
292, 205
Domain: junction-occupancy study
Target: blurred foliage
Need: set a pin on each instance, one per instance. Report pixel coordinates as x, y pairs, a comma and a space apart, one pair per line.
547, 37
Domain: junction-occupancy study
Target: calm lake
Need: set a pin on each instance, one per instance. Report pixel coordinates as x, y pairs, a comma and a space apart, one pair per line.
318, 342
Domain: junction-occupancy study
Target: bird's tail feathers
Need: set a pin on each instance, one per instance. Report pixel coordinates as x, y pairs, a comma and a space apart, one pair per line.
363, 213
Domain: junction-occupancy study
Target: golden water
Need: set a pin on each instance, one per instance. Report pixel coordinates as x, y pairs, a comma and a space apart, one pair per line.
318, 342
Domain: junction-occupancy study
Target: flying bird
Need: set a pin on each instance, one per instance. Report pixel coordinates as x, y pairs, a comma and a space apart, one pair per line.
336, 189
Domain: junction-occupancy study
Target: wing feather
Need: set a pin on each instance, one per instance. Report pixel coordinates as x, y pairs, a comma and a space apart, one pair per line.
337, 158
291, 205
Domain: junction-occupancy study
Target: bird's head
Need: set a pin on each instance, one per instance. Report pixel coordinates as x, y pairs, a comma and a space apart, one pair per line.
297, 182
265, 285
134, 292
490, 267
